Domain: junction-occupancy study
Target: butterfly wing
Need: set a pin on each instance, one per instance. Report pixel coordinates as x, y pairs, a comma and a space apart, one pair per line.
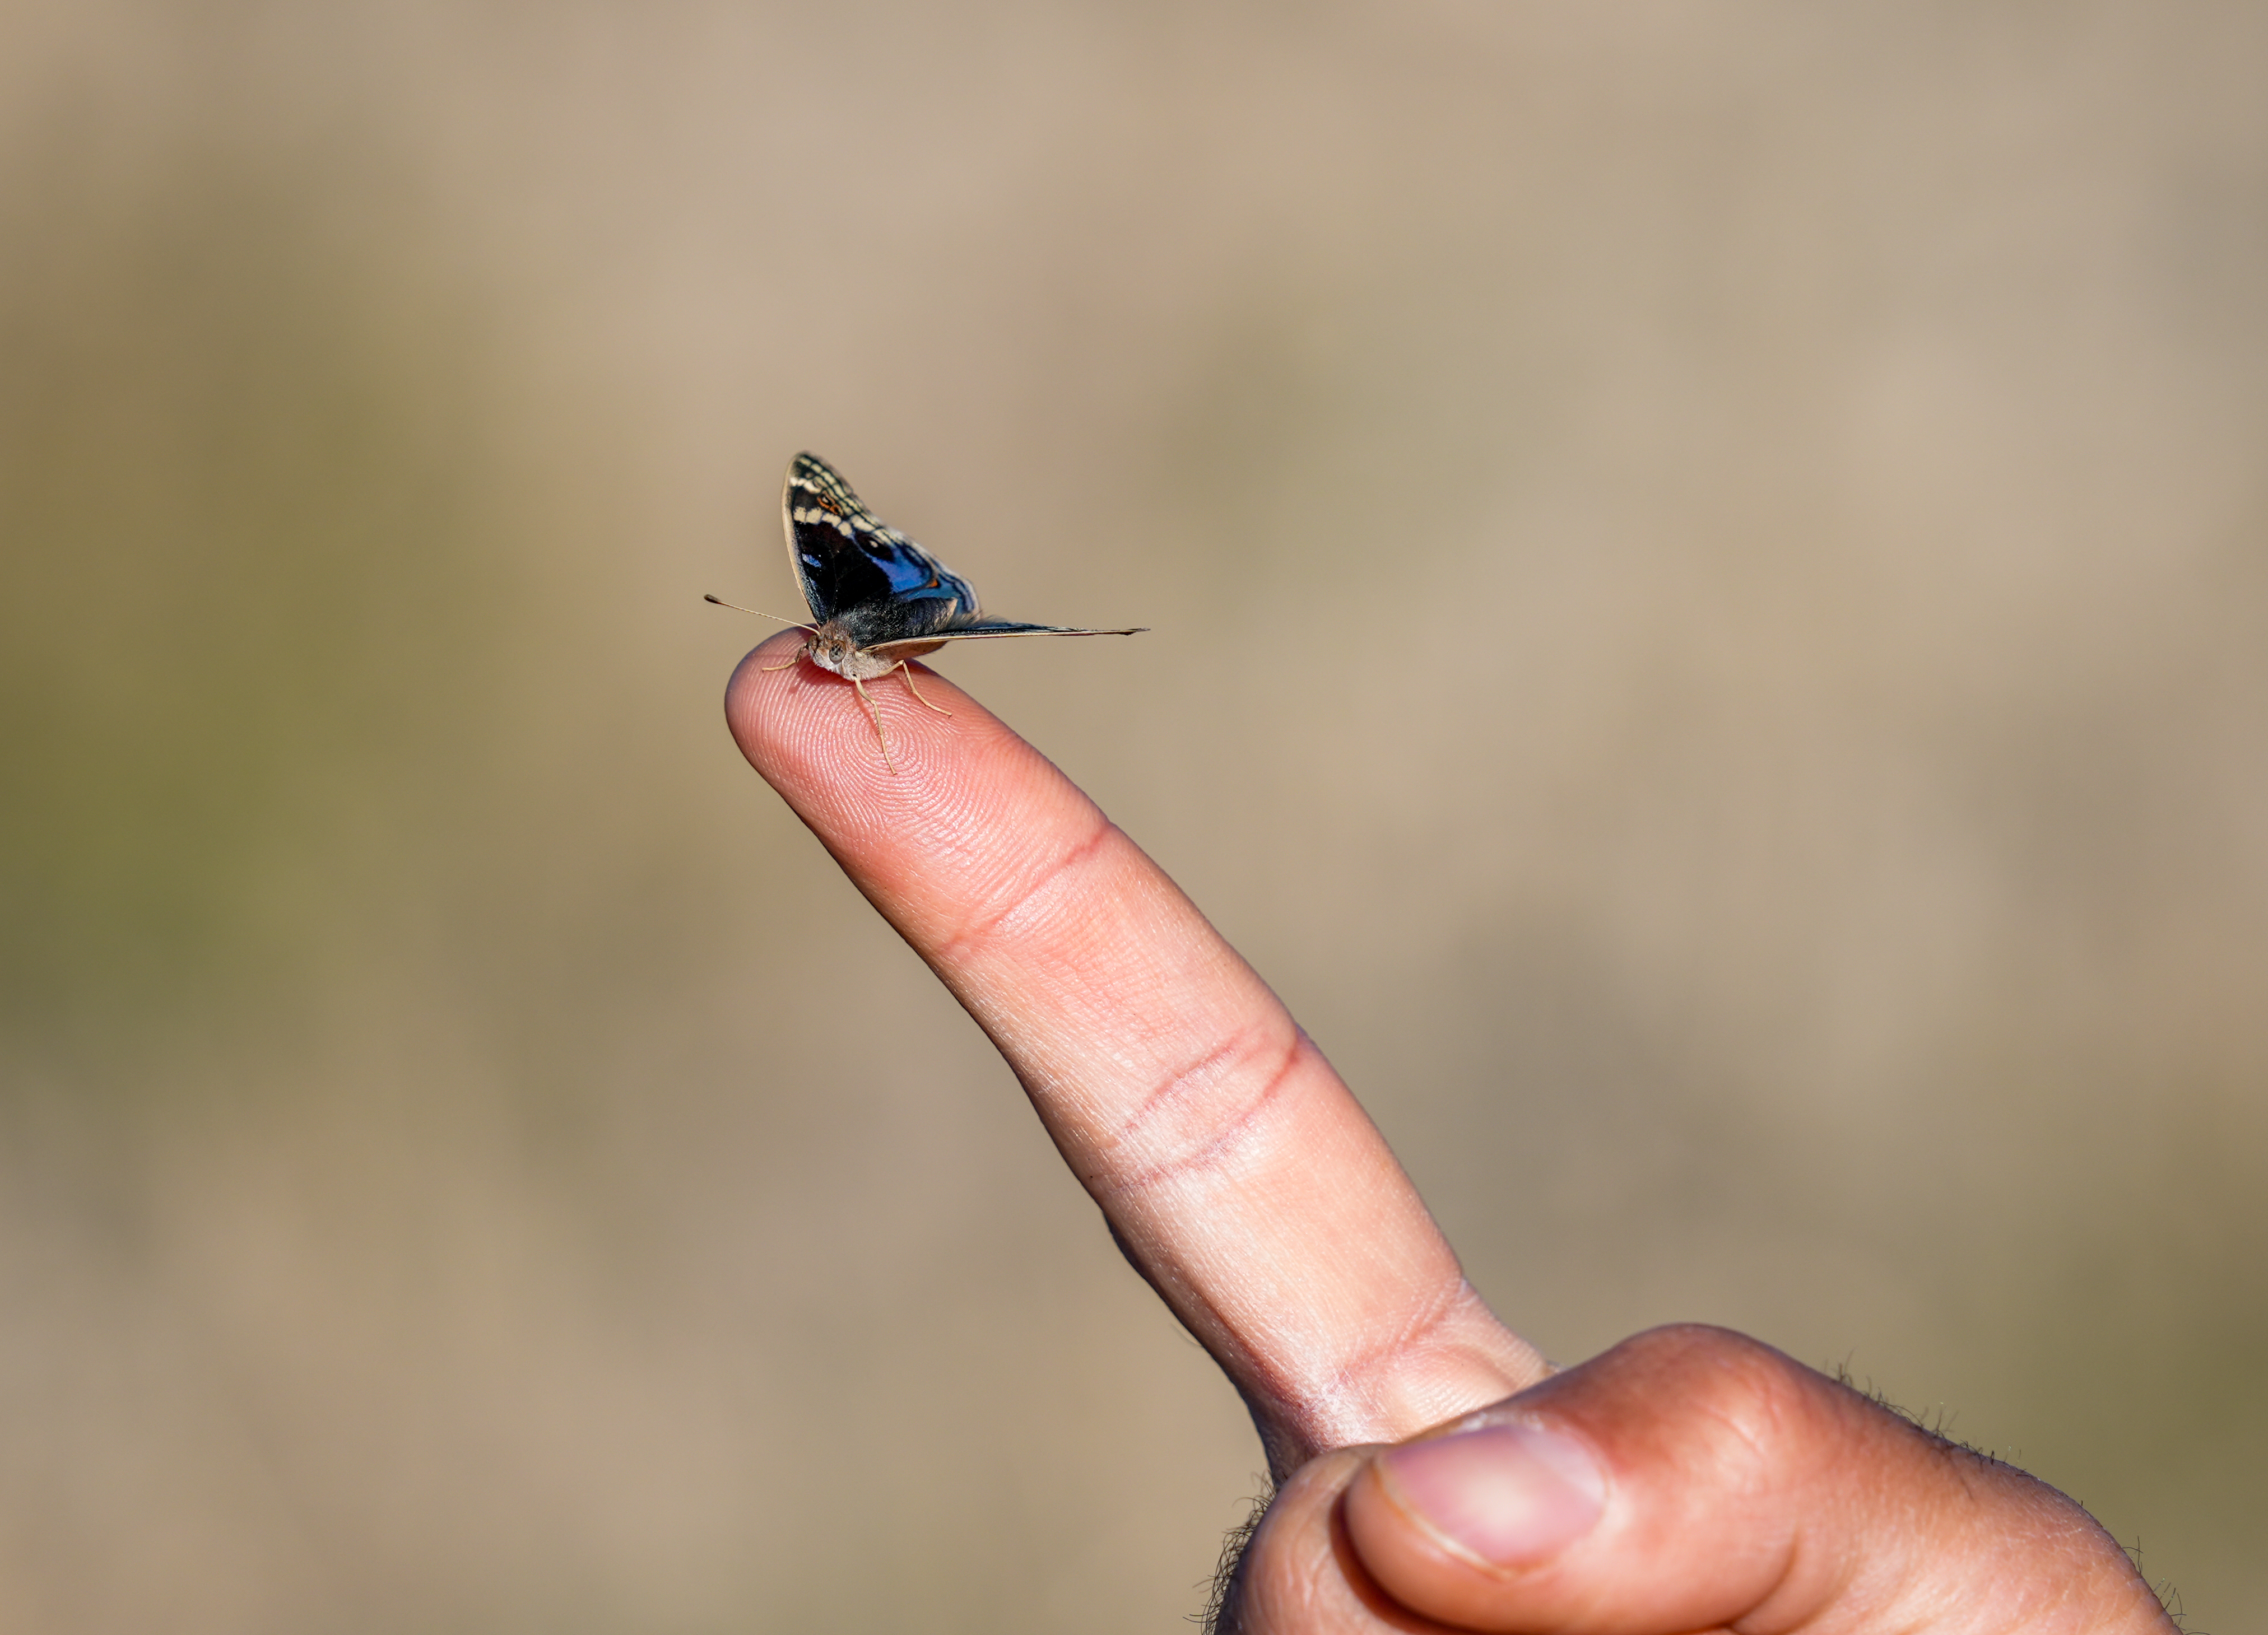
858, 572
873, 584
984, 629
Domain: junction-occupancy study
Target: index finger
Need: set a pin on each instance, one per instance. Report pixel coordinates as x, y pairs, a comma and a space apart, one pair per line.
1234, 1166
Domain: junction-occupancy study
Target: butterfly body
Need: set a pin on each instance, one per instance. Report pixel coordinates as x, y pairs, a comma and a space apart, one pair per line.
878, 599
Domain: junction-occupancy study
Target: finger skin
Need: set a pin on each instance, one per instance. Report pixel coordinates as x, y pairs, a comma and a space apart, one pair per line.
1232, 1165
1745, 1492
1302, 1575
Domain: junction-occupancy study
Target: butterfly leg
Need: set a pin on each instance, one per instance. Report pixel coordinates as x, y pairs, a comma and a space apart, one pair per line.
877, 720
791, 664
915, 690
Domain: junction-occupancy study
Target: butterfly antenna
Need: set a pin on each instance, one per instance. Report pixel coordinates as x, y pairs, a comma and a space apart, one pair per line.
793, 624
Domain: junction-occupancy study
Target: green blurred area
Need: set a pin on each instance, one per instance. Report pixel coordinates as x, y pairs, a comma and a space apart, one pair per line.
1710, 577
243, 556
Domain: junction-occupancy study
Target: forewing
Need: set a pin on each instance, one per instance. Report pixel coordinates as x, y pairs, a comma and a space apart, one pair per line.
856, 568
983, 629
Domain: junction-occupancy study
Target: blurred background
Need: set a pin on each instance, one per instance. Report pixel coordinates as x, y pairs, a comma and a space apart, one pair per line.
1710, 577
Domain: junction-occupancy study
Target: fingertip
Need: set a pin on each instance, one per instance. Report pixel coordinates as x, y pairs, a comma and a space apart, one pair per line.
825, 744
1501, 1497
1662, 1484
927, 827
760, 699
1449, 1524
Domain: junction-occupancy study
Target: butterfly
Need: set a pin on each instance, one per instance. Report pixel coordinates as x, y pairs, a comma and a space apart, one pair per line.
880, 599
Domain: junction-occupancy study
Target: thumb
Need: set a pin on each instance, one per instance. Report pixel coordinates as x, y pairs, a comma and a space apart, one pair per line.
1693, 1479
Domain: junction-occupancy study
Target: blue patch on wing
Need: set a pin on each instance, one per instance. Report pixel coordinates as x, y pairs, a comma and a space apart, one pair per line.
913, 574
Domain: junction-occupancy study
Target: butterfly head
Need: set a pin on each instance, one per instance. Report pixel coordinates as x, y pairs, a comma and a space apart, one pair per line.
834, 648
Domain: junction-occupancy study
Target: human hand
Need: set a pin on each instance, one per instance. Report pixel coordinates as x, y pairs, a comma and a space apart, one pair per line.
1688, 1479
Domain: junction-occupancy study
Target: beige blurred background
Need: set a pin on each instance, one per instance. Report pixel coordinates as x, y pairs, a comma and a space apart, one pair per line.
1710, 576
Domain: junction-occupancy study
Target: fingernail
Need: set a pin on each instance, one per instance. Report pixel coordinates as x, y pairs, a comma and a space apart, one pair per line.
1511, 1495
